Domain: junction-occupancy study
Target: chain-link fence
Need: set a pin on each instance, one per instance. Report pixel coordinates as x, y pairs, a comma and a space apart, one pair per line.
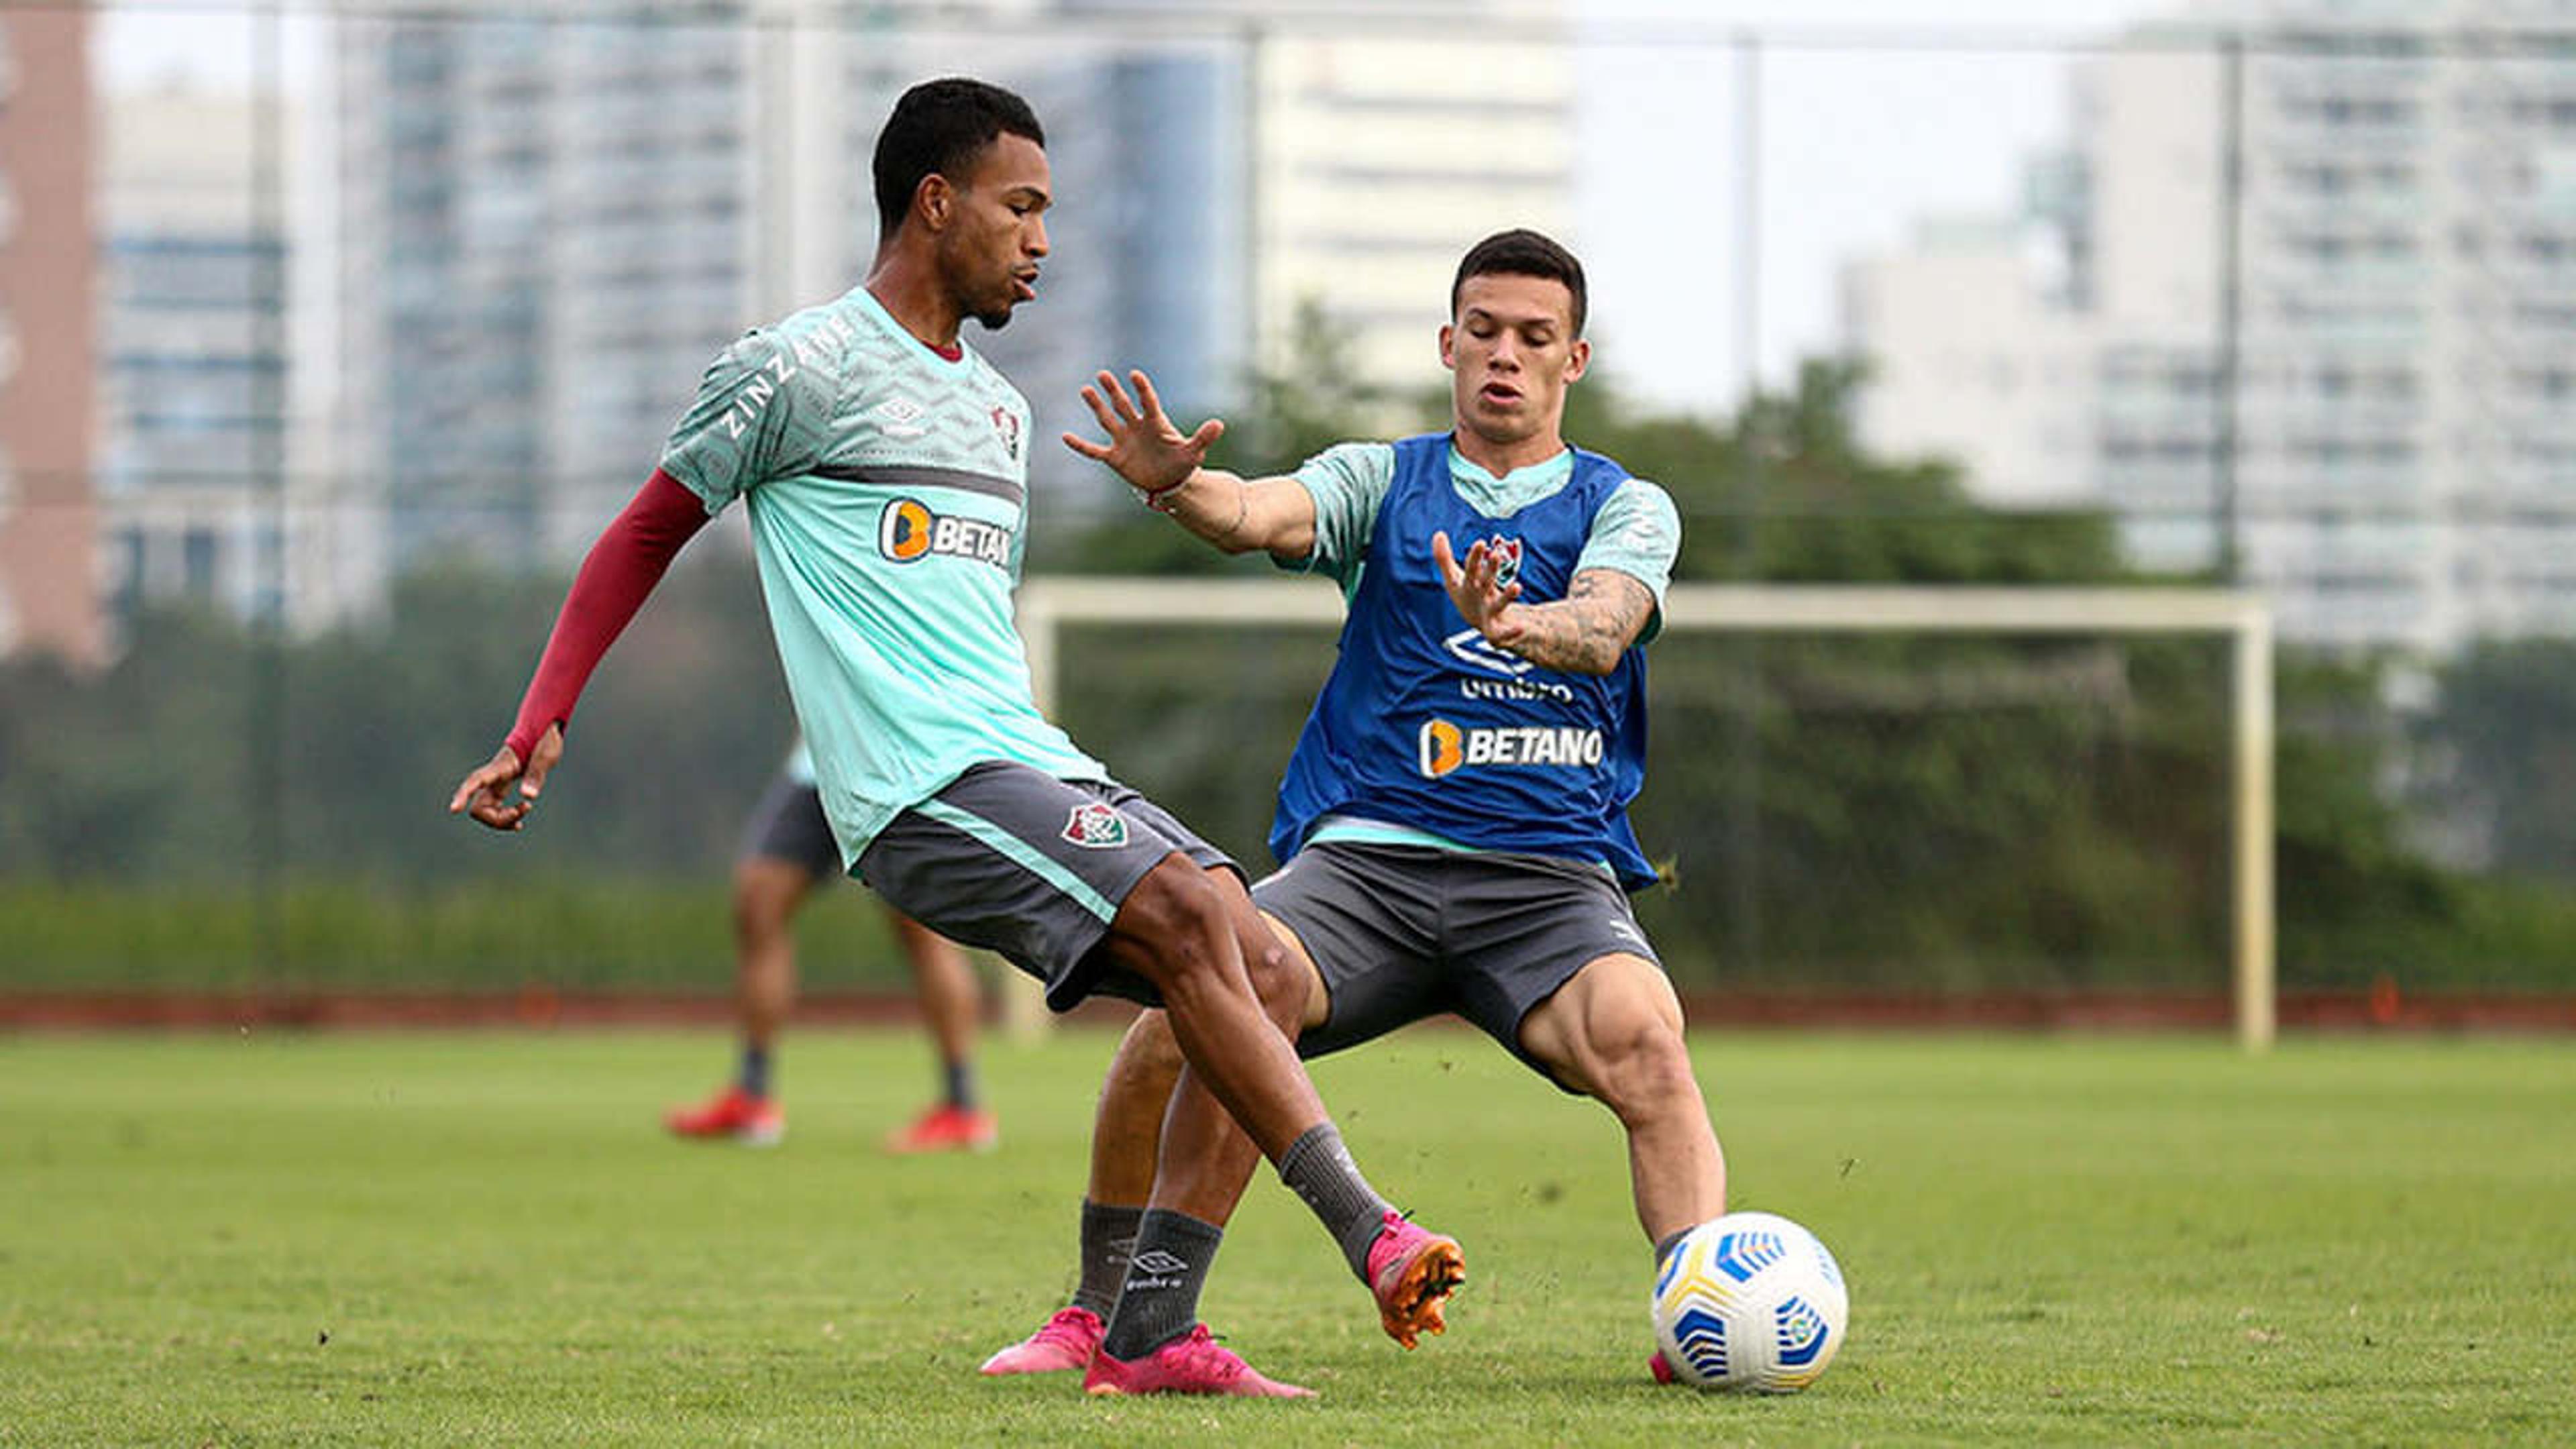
330, 334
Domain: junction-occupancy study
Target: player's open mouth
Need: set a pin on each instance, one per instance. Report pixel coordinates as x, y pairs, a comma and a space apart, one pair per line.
1499, 395
1024, 287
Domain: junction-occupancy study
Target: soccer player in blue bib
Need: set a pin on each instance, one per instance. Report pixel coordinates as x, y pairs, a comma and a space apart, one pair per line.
1453, 823
885, 469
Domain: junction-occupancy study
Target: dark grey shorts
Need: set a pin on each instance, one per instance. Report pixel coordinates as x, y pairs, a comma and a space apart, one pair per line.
1402, 932
788, 825
1032, 867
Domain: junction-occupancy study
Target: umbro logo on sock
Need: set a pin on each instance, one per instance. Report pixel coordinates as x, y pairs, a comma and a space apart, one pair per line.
1160, 1263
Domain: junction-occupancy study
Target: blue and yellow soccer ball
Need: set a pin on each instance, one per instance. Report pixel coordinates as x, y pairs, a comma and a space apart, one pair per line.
1750, 1301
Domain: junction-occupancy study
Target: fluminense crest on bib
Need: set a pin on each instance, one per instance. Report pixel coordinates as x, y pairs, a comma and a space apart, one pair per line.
1096, 827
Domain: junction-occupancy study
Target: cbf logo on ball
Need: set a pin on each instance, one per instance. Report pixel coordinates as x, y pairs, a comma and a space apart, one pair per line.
908, 532
1445, 748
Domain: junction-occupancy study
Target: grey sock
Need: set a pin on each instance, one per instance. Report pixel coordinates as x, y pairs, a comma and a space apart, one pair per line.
1160, 1301
1664, 1247
957, 1079
1318, 1168
1108, 1241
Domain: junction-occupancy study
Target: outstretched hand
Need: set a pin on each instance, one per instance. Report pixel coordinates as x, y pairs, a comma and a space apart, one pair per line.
1145, 446
484, 794
1474, 586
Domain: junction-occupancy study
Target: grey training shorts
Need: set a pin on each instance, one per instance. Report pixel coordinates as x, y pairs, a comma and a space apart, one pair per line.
788, 825
1018, 862
1403, 932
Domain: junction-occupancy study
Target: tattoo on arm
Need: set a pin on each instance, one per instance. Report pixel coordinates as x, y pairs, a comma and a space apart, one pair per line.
1590, 628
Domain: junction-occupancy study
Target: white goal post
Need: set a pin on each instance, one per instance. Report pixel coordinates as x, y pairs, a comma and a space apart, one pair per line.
1046, 605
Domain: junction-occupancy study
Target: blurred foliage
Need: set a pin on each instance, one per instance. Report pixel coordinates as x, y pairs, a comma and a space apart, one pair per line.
1882, 811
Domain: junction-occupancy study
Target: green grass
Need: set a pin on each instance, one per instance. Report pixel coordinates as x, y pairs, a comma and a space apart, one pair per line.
2049, 1240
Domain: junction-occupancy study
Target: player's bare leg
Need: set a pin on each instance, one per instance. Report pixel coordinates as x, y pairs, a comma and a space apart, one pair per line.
951, 1002
1614, 1033
766, 893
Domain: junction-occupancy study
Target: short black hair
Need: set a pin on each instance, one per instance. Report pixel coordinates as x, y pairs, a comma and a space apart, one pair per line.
940, 126
1521, 252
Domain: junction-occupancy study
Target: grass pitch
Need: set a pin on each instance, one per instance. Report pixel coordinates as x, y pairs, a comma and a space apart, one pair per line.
274, 1239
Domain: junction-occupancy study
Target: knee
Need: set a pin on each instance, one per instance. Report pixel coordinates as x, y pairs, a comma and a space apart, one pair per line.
1642, 1068
1171, 923
1277, 978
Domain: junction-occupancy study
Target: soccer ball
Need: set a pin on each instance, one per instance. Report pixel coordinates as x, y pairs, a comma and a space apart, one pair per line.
1750, 1301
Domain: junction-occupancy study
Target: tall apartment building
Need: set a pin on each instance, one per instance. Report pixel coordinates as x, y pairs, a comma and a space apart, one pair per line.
1363, 146
1382, 156
213, 487
49, 576
550, 227
2403, 258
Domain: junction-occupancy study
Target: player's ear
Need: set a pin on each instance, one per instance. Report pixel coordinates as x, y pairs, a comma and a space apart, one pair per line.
1578, 359
934, 200
1449, 346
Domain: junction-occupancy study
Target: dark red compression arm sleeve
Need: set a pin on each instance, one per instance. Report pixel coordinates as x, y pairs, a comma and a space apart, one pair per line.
621, 570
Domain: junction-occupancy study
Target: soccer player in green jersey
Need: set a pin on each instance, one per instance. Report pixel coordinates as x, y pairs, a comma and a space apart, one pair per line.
885, 466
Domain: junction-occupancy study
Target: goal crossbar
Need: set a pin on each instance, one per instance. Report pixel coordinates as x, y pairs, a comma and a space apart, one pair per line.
1047, 605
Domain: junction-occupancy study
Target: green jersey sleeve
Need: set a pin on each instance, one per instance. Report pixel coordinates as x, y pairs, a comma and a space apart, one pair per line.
760, 413
1637, 532
1348, 482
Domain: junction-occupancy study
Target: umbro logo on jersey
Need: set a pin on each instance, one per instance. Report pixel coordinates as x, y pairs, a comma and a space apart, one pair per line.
900, 417
908, 532
1444, 748
1472, 647
1097, 827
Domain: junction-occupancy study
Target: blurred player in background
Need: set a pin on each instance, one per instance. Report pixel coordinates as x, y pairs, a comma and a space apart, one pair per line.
788, 850
1453, 823
885, 470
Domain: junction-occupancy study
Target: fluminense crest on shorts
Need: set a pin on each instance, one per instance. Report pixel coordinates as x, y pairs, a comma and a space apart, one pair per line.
1096, 827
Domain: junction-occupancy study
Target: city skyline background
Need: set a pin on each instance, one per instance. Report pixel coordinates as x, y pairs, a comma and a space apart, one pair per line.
332, 333
477, 253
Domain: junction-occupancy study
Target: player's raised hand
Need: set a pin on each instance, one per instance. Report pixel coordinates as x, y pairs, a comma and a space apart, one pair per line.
1145, 446
1473, 586
484, 794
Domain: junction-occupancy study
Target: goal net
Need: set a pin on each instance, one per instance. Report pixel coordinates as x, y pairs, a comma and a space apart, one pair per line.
1903, 795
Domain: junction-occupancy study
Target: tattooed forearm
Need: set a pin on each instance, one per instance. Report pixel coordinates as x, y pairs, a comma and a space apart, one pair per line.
1586, 631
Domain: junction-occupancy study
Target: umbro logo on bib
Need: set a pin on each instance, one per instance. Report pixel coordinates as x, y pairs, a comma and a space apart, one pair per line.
1096, 827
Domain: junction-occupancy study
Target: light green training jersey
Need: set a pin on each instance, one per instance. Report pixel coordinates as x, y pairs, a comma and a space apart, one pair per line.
888, 493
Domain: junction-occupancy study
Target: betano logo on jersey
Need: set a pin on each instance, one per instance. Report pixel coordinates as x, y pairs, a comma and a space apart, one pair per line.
908, 531
1444, 748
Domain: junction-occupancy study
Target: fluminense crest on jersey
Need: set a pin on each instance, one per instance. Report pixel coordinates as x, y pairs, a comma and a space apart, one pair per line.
1007, 423
1506, 554
1097, 827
